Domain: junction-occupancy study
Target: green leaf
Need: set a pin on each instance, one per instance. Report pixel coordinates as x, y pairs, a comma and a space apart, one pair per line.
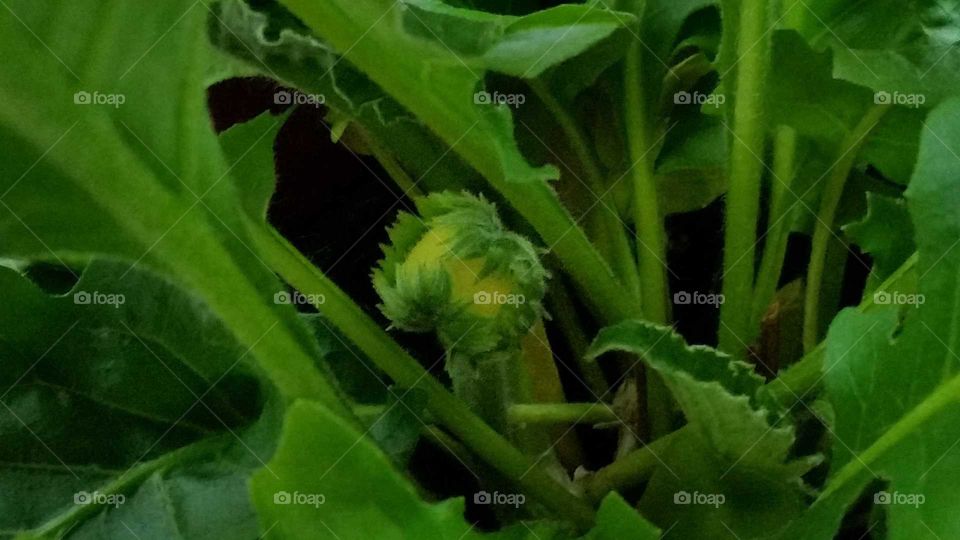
277, 45
723, 398
891, 374
331, 480
887, 45
141, 180
520, 46
616, 519
886, 233
733, 421
443, 95
92, 389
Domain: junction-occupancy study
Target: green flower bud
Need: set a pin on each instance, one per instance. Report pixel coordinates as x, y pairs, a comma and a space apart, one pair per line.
455, 270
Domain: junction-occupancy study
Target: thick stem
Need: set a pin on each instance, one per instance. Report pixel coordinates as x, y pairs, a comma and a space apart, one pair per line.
450, 412
651, 235
630, 470
651, 248
823, 229
775, 248
565, 316
618, 253
746, 167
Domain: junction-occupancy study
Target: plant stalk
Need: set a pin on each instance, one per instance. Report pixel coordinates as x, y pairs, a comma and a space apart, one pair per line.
823, 229
619, 256
651, 235
778, 230
746, 168
560, 413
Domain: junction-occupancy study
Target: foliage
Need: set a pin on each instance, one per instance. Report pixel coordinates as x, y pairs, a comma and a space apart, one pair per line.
174, 367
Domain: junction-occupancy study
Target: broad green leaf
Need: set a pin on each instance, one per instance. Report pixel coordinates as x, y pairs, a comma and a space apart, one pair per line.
616, 519
275, 44
109, 164
520, 46
891, 374
906, 49
804, 95
892, 146
886, 233
738, 451
324, 484
327, 479
92, 389
444, 91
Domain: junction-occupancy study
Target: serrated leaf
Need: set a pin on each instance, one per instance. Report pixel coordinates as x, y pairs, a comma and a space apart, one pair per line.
738, 451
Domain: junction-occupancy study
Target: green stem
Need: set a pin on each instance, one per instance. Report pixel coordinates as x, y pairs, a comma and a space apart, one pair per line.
946, 395
449, 411
393, 168
651, 248
651, 234
566, 317
775, 248
823, 229
630, 470
560, 413
619, 256
746, 167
